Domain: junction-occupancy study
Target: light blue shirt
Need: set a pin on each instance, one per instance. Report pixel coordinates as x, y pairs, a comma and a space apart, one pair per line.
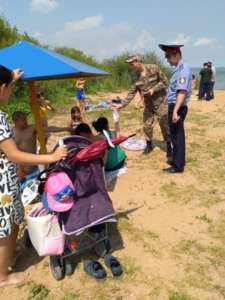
181, 80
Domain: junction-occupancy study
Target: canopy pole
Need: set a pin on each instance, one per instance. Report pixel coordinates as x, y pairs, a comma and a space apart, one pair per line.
37, 116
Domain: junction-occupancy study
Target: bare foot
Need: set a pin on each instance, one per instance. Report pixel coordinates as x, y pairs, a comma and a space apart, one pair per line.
18, 254
14, 278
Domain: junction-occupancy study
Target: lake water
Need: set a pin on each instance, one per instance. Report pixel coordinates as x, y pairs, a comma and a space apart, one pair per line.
220, 77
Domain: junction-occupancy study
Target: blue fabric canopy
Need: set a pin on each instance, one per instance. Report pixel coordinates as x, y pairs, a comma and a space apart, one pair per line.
41, 64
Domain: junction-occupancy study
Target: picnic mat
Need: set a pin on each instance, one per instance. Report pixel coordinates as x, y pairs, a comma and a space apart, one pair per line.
134, 144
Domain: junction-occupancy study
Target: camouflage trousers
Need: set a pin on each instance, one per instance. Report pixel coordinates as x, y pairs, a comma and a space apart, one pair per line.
156, 108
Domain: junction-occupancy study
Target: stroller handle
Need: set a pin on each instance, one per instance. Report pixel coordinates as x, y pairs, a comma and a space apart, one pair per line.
61, 142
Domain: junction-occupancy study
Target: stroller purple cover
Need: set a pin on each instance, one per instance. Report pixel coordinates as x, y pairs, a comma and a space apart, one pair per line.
92, 204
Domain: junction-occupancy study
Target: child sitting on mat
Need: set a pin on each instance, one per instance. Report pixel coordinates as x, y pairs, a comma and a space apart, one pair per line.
76, 118
116, 156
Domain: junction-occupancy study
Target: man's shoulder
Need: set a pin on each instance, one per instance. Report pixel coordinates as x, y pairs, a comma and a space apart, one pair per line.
184, 68
152, 68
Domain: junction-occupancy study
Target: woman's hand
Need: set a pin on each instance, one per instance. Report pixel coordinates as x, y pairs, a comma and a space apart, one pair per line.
9, 147
60, 153
17, 73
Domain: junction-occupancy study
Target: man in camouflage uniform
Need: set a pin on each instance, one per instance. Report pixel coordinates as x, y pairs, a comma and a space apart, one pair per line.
151, 83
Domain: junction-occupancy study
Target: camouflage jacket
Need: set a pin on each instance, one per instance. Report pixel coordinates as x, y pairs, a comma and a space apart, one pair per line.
153, 78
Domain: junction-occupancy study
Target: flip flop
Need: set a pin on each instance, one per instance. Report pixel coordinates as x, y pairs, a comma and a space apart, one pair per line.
114, 265
94, 269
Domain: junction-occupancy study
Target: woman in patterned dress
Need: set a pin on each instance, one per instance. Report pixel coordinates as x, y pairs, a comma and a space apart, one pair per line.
11, 208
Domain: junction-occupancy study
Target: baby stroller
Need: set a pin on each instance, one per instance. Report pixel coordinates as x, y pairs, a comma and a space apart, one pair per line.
85, 225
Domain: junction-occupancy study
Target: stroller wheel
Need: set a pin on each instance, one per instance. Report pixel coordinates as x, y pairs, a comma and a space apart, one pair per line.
56, 267
27, 241
68, 267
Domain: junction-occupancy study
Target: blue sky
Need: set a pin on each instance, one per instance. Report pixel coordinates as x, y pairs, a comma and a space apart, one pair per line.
105, 28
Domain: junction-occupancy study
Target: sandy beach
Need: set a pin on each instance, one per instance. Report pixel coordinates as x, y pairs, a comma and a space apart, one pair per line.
171, 228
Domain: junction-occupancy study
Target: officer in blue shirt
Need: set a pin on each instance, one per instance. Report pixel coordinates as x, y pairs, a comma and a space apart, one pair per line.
178, 95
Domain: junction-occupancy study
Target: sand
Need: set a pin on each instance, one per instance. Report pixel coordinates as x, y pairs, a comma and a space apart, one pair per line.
171, 228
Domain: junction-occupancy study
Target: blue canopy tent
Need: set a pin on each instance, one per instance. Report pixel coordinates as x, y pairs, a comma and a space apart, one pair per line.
42, 64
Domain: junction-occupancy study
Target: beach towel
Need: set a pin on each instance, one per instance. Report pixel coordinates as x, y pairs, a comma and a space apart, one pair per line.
134, 144
102, 104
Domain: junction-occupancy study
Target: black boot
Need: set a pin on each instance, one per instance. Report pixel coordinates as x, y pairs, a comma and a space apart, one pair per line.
148, 147
169, 153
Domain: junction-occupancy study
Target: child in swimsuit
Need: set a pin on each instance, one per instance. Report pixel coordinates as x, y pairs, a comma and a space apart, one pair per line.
80, 93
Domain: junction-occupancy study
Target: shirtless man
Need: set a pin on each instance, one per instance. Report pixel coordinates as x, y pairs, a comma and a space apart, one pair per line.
26, 137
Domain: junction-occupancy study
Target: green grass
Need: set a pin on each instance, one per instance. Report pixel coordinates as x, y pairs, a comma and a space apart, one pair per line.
199, 119
217, 228
189, 247
147, 238
204, 218
187, 193
70, 296
37, 291
176, 296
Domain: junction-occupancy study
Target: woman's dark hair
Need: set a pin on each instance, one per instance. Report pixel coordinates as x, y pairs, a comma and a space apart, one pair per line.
82, 128
6, 76
101, 124
75, 109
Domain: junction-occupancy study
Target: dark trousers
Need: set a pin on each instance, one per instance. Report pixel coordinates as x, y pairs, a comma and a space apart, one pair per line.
205, 90
212, 89
178, 137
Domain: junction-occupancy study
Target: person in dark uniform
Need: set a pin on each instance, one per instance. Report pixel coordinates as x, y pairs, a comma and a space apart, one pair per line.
178, 95
205, 82
213, 78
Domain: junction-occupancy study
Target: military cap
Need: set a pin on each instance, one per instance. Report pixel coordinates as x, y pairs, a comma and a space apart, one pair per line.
134, 57
170, 48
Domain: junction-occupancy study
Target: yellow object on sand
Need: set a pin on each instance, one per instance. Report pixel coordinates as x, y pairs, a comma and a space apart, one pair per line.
35, 107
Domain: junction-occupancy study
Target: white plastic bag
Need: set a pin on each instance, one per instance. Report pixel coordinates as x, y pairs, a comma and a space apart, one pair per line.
45, 233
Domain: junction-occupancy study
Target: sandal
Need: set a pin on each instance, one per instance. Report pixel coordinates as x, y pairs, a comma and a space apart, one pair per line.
94, 269
114, 265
